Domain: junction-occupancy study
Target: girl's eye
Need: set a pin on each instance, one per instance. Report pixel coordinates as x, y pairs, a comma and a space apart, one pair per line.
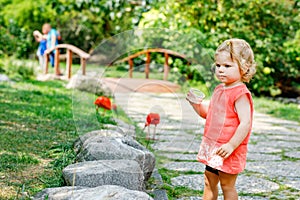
227, 66
217, 65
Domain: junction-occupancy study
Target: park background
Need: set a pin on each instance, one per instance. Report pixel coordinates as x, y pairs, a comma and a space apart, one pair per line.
272, 28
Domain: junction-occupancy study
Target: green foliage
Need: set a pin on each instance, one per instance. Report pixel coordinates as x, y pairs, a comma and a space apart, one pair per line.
82, 23
18, 19
93, 21
17, 70
14, 40
269, 27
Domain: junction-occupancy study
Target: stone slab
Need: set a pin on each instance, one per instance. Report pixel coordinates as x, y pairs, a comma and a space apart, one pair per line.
179, 156
262, 156
177, 146
258, 185
275, 169
125, 173
185, 166
293, 154
107, 192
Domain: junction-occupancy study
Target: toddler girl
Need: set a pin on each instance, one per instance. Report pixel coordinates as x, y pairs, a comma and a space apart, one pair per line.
228, 117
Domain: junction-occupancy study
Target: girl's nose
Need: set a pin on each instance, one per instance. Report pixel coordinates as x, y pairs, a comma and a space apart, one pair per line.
220, 68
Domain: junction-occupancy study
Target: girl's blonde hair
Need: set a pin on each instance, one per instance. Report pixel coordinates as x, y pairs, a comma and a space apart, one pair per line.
240, 51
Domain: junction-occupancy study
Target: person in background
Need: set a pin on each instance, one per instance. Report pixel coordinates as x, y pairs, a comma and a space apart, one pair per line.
223, 148
39, 37
52, 41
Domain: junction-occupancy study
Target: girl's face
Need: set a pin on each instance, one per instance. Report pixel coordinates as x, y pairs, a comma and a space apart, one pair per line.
227, 70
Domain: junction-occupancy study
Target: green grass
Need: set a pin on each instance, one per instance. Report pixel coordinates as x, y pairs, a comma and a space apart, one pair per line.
37, 131
289, 111
39, 121
15, 162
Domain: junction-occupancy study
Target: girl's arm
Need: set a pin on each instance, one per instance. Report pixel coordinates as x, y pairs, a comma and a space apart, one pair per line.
200, 109
243, 109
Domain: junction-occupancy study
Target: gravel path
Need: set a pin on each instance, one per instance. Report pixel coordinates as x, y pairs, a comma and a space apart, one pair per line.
273, 167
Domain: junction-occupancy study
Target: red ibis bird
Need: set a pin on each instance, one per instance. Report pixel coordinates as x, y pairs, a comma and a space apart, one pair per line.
152, 118
114, 107
103, 102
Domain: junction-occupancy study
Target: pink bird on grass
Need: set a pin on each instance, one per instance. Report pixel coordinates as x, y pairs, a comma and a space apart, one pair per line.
152, 118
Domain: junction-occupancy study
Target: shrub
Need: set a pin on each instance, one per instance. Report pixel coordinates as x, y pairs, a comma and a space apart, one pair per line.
16, 69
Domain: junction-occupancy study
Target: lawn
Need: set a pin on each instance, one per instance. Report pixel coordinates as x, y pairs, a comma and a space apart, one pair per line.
39, 122
287, 111
37, 132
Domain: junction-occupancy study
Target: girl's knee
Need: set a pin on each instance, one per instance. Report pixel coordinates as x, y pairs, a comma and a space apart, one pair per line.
227, 187
227, 181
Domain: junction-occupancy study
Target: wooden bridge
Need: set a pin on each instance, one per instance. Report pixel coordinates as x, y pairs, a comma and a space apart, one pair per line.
84, 56
70, 50
166, 53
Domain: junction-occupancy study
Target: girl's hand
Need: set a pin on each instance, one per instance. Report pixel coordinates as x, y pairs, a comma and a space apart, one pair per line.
194, 98
225, 150
188, 96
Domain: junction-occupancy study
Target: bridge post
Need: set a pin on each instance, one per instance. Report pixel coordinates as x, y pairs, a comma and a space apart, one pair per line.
56, 62
147, 64
166, 66
83, 65
130, 62
69, 63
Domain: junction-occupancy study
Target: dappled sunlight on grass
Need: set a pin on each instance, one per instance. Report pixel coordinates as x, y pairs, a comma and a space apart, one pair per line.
39, 124
35, 118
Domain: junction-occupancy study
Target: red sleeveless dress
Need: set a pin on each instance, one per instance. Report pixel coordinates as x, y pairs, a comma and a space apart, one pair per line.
221, 124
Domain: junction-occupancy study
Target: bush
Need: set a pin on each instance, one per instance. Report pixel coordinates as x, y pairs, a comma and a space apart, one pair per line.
17, 70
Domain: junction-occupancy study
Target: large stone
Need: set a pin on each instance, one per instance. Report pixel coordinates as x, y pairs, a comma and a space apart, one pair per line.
107, 192
115, 148
91, 82
125, 173
91, 135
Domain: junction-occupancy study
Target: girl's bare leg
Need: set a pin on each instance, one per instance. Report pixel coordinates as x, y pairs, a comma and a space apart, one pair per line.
227, 182
210, 186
